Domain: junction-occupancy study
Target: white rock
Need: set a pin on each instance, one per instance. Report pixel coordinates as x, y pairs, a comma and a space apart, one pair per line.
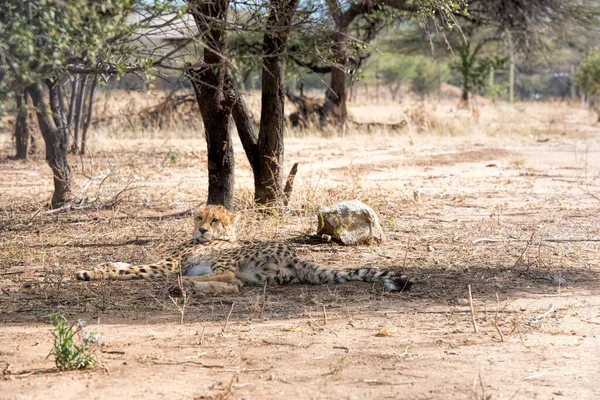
350, 223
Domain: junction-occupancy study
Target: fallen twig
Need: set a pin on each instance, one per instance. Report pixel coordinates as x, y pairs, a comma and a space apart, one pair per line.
342, 348
538, 318
70, 206
486, 240
201, 341
525, 249
227, 321
591, 322
406, 254
382, 383
187, 362
238, 371
112, 352
321, 326
289, 184
288, 344
496, 318
264, 300
475, 328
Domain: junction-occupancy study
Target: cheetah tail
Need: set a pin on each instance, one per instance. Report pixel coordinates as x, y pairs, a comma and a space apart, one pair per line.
311, 273
124, 271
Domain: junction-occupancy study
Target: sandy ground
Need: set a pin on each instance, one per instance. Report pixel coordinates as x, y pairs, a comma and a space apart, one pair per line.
527, 183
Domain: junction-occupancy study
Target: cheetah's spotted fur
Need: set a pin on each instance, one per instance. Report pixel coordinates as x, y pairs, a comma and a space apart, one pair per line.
213, 262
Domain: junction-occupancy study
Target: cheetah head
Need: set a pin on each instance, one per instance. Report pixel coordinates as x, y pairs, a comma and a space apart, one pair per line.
215, 222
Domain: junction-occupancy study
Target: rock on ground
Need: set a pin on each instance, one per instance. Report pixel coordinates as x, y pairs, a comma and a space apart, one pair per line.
350, 223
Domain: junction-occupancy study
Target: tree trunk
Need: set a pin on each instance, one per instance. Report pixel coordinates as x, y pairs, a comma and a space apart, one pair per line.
265, 151
394, 88
465, 94
335, 97
218, 98
268, 183
245, 128
88, 116
55, 140
64, 122
73, 100
79, 105
22, 131
215, 100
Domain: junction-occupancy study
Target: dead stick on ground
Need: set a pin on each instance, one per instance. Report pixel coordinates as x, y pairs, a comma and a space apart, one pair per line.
264, 300
406, 254
591, 322
483, 396
289, 184
289, 344
228, 315
496, 319
485, 240
472, 310
521, 339
538, 318
187, 362
202, 336
324, 316
322, 327
525, 250
239, 371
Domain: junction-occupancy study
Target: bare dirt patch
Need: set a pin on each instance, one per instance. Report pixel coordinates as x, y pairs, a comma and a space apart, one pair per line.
512, 216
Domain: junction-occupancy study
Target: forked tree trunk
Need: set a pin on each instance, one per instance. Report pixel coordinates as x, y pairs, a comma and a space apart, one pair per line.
55, 138
265, 150
215, 99
218, 98
22, 131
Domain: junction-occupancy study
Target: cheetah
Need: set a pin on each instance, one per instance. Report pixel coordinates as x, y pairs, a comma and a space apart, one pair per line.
214, 262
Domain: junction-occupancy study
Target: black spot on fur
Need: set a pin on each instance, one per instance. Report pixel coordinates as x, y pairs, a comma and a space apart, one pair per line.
143, 270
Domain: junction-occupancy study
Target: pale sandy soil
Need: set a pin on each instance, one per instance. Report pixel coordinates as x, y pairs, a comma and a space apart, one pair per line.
529, 173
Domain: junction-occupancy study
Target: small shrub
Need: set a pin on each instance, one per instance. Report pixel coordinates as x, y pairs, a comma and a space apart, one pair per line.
70, 353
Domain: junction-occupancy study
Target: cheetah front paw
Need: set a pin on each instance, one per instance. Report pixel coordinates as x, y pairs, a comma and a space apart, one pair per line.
178, 288
84, 275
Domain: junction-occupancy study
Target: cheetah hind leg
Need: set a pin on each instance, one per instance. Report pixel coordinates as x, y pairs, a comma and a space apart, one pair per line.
194, 286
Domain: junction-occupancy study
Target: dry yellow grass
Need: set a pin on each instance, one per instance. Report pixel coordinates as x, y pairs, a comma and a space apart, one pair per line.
513, 176
121, 116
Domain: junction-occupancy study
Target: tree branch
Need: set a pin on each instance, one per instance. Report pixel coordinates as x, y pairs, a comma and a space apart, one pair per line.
314, 68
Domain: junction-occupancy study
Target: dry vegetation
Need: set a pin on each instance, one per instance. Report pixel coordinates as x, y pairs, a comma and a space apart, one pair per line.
504, 199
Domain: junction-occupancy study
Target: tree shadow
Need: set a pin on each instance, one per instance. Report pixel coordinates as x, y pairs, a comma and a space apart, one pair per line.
126, 302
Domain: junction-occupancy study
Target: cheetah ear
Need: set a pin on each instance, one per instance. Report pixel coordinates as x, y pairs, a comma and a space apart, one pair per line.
236, 218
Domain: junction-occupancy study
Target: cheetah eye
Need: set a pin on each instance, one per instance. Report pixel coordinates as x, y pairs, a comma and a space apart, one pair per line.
216, 220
